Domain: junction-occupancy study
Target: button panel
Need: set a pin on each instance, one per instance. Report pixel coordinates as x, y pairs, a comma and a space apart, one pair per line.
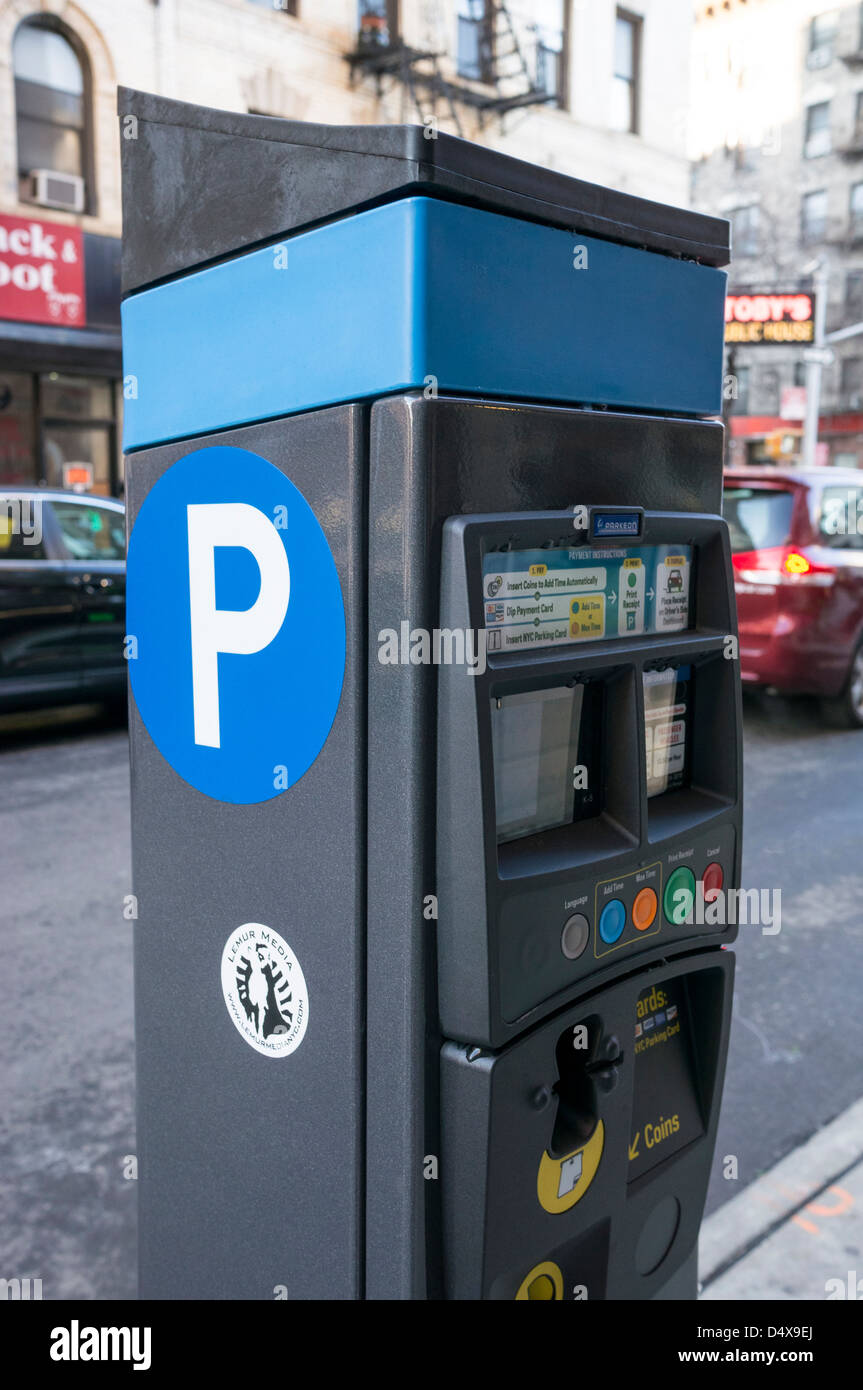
552, 937
626, 891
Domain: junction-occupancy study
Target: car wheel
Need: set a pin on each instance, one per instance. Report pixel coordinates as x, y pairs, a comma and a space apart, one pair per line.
845, 711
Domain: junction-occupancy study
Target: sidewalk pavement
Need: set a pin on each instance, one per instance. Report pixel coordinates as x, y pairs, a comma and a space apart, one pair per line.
797, 1231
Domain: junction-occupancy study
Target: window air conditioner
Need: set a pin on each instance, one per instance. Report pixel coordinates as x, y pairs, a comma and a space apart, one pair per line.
55, 190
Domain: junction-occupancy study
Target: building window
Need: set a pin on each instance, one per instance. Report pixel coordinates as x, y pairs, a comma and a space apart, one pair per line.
77, 425
823, 30
51, 113
17, 428
520, 45
768, 392
291, 7
50, 421
550, 61
377, 23
745, 228
817, 140
627, 61
474, 58
740, 406
800, 374
814, 217
851, 381
857, 211
854, 296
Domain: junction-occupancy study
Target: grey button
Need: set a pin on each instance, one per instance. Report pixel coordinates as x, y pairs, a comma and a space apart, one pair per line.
575, 936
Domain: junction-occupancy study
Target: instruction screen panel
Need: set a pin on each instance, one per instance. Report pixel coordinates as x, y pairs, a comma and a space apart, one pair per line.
667, 720
546, 758
544, 597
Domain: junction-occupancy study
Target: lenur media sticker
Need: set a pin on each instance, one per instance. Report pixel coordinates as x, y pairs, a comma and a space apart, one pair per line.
265, 990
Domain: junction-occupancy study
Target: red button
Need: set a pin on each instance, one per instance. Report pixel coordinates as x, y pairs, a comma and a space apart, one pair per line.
713, 879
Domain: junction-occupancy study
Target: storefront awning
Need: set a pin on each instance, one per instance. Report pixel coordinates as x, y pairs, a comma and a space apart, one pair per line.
32, 346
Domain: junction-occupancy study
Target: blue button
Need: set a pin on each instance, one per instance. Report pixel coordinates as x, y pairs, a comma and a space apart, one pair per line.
612, 921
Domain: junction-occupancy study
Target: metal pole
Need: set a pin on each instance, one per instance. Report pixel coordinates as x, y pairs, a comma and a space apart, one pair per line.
841, 334
814, 364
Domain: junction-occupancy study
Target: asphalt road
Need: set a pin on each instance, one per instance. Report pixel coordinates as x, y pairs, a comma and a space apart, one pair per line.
67, 1214
797, 1030
67, 1208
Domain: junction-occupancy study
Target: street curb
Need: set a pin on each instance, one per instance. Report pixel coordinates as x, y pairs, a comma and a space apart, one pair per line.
753, 1214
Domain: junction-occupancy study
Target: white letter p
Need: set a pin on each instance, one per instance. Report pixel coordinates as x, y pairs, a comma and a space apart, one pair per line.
238, 631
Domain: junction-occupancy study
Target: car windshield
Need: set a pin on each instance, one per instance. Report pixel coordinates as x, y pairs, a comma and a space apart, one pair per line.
91, 532
840, 517
757, 517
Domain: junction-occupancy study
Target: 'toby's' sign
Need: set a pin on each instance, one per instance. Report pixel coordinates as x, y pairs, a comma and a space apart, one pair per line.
41, 272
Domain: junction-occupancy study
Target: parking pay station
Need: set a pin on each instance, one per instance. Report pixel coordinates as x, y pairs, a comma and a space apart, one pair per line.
435, 716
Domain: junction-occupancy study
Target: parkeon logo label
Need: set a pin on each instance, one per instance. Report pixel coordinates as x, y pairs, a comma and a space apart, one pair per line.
265, 990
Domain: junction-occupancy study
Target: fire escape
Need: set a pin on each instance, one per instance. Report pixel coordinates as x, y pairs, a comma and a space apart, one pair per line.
493, 74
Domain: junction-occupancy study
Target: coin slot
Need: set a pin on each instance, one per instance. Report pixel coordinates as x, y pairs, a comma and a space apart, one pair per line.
583, 1072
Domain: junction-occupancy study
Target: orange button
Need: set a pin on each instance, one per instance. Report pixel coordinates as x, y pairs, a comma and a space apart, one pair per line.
644, 909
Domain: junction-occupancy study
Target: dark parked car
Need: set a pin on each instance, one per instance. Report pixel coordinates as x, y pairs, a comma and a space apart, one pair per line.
797, 543
62, 598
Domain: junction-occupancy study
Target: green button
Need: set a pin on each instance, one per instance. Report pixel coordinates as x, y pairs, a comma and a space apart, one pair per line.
677, 907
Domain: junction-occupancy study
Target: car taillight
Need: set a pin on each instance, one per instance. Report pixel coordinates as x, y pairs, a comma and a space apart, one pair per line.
779, 565
795, 563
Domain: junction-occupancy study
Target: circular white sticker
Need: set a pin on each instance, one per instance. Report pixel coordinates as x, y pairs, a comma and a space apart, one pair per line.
265, 990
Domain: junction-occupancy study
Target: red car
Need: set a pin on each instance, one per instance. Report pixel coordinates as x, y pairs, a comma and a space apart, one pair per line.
797, 548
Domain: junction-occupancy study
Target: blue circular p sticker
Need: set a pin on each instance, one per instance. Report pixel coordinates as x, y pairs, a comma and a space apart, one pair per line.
235, 625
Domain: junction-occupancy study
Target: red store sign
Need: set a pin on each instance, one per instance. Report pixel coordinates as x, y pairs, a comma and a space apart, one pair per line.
770, 318
41, 272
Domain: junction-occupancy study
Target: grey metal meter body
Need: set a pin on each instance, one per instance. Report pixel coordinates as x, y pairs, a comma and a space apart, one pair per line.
435, 720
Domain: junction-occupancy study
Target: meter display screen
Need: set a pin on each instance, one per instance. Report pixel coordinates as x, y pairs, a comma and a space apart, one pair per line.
546, 758
548, 596
667, 720
666, 1114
